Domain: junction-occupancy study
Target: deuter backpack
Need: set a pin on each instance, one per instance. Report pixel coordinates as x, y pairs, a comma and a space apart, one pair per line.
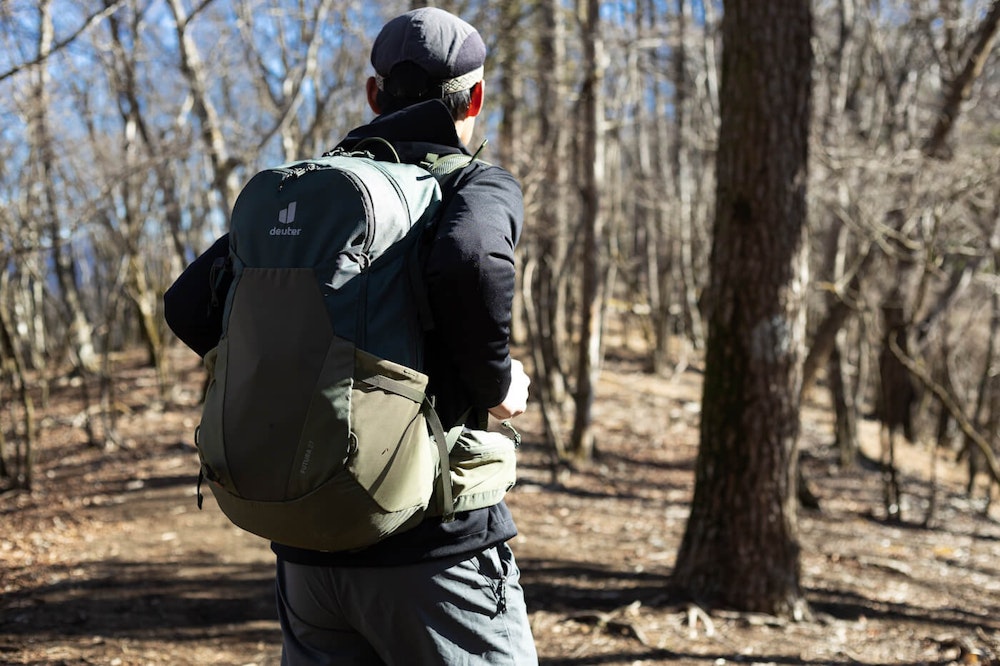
317, 431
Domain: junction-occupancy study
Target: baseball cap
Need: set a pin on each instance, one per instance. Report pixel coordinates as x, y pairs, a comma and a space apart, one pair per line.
447, 52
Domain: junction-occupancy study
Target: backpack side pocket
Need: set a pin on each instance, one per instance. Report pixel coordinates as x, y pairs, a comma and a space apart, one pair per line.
395, 461
483, 468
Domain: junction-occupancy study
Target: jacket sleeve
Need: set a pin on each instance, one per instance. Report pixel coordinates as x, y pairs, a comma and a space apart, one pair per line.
470, 279
193, 304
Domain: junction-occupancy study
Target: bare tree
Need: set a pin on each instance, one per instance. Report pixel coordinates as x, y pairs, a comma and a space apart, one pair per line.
740, 547
545, 276
960, 87
695, 127
195, 73
53, 46
129, 146
17, 466
895, 213
44, 202
592, 285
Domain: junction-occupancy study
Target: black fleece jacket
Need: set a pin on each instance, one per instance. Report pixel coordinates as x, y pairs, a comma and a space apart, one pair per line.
469, 277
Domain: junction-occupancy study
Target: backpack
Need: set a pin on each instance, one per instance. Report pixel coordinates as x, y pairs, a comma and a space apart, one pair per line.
316, 430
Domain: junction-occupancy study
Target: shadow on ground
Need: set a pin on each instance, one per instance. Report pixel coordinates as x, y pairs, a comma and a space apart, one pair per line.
118, 598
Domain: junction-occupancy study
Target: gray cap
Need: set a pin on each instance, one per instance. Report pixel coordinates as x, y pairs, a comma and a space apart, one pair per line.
448, 49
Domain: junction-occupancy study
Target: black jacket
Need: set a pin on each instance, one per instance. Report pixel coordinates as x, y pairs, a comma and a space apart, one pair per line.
469, 278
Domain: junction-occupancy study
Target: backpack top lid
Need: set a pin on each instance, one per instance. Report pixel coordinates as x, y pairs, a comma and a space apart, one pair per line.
310, 213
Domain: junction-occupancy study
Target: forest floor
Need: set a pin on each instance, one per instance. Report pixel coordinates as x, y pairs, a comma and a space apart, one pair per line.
109, 561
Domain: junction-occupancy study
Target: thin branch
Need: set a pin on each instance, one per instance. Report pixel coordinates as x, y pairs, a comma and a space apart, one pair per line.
951, 405
961, 86
63, 43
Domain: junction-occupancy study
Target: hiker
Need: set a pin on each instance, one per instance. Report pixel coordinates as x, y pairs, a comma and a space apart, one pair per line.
444, 591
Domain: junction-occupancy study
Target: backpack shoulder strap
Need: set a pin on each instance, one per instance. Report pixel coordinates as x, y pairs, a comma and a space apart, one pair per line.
447, 169
444, 166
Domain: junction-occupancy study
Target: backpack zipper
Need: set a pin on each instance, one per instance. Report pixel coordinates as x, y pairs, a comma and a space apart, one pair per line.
399, 192
364, 260
296, 171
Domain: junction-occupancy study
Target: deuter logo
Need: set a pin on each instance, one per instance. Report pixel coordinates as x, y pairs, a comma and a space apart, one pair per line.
285, 217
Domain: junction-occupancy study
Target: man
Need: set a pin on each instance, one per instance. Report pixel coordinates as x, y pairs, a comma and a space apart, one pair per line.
442, 592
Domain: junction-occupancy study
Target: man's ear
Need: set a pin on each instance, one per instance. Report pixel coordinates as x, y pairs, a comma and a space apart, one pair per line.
476, 101
371, 89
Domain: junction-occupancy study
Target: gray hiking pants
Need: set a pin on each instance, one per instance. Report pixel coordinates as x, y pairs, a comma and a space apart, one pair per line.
466, 612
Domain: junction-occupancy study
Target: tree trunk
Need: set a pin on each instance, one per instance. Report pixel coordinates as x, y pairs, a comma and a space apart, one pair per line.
592, 287
840, 303
80, 328
684, 178
16, 469
662, 265
652, 238
545, 277
510, 130
845, 408
194, 72
740, 547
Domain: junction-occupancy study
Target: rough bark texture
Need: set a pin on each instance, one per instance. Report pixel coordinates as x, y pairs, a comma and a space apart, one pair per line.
741, 548
592, 285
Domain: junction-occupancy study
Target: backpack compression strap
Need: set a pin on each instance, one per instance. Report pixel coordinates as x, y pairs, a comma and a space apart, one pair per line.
444, 444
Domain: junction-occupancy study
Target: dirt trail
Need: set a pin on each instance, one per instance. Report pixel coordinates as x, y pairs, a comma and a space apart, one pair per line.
109, 561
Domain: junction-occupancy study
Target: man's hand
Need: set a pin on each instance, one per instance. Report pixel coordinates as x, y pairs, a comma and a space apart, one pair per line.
517, 395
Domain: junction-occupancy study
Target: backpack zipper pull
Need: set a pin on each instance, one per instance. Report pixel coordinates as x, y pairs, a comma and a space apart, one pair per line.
515, 435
